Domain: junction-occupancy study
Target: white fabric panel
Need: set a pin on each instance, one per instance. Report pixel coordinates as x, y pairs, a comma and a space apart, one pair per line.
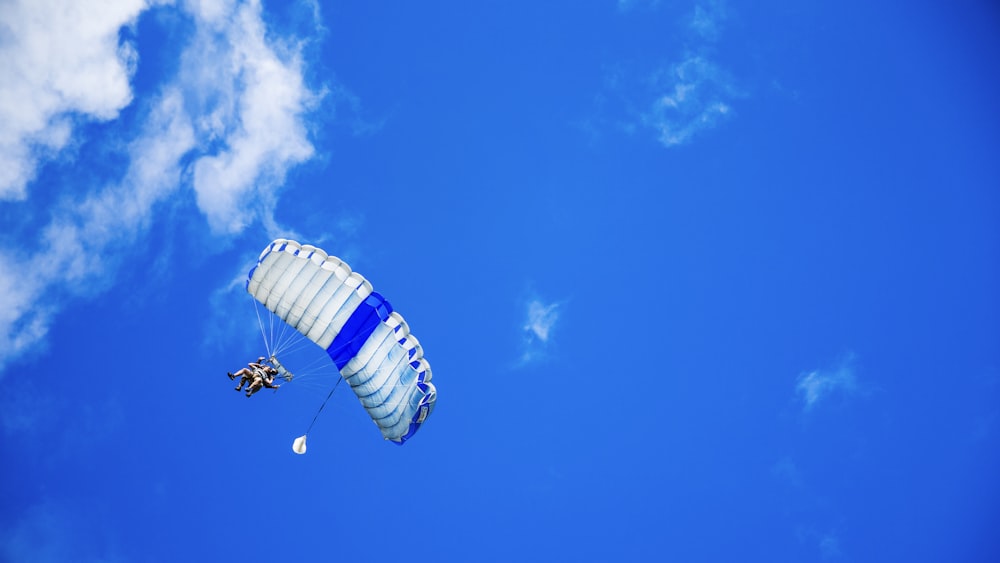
310, 291
387, 380
373, 382
296, 297
361, 290
306, 302
391, 403
424, 368
340, 307
268, 277
283, 287
381, 333
277, 280
338, 301
403, 405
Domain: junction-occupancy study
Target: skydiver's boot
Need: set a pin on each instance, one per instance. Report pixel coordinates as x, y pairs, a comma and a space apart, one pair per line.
231, 376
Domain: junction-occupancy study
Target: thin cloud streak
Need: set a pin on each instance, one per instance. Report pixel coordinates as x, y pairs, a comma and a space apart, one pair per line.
541, 319
695, 101
696, 93
818, 385
538, 329
231, 135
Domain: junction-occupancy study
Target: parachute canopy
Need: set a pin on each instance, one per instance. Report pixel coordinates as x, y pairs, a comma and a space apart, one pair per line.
371, 345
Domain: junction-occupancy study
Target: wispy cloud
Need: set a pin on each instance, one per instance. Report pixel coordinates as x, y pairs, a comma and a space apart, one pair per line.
226, 127
686, 95
695, 99
52, 532
695, 93
539, 328
626, 5
250, 96
541, 319
59, 63
707, 19
818, 385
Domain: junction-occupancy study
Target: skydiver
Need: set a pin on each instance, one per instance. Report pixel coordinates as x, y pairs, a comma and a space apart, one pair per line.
247, 374
262, 378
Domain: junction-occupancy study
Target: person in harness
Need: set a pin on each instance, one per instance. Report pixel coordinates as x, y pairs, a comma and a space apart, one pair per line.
263, 377
258, 374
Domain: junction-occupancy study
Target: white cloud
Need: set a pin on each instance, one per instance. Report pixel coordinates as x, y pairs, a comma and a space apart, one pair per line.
229, 125
818, 385
540, 323
253, 98
695, 100
692, 94
72, 253
707, 19
59, 61
541, 319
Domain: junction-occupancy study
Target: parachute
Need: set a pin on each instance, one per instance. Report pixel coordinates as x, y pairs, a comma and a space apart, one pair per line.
370, 344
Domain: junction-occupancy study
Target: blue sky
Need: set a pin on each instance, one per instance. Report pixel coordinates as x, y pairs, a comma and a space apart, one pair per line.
698, 281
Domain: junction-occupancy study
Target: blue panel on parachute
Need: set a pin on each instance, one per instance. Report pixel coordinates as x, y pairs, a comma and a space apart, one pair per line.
361, 324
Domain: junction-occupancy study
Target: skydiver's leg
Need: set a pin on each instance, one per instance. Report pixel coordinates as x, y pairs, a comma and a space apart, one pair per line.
244, 375
255, 386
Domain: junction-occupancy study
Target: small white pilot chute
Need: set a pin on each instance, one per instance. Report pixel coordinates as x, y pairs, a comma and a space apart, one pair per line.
299, 445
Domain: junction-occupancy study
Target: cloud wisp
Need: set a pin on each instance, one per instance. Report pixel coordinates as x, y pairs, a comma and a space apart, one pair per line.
818, 385
692, 94
253, 113
227, 126
539, 327
695, 100
59, 63
625, 5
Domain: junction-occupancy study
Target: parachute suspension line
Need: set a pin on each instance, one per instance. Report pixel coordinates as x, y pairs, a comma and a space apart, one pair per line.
276, 338
339, 379
286, 337
260, 323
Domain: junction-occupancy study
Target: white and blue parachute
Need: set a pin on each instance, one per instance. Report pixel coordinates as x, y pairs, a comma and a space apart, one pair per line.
371, 345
